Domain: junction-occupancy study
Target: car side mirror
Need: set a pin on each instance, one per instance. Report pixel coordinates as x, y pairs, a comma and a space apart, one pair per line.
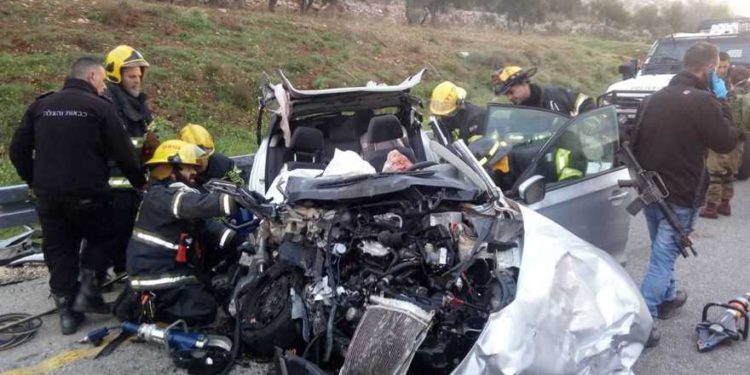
532, 189
627, 70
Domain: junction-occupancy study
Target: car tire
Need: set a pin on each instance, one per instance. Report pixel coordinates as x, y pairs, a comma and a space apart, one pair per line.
266, 310
743, 173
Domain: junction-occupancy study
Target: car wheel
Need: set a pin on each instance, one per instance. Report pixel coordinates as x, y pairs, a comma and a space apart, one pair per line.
267, 310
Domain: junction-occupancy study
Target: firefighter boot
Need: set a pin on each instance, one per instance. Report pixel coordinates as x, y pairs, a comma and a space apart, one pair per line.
724, 208
709, 211
69, 319
89, 298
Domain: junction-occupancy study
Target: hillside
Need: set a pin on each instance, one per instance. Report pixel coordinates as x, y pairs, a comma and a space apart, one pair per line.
206, 61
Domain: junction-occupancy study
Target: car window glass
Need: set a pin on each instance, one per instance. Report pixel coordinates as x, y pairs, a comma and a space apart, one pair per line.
519, 125
586, 147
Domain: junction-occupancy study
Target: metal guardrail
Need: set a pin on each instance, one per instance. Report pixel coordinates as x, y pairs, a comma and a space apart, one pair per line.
16, 209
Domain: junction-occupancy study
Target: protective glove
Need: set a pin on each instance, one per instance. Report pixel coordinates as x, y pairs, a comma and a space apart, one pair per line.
718, 86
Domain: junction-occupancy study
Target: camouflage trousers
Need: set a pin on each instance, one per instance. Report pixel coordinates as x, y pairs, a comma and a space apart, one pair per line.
721, 171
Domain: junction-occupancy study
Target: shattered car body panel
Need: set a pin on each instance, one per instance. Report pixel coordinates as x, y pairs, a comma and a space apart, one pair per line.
576, 312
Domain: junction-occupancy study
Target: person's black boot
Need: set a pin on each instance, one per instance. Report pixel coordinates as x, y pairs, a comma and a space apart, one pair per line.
69, 319
89, 298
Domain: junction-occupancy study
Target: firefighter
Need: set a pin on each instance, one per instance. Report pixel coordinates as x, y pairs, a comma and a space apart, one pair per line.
566, 162
219, 166
171, 242
515, 83
126, 69
458, 117
493, 155
61, 150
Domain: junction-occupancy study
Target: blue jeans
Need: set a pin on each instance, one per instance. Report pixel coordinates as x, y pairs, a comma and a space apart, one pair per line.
659, 285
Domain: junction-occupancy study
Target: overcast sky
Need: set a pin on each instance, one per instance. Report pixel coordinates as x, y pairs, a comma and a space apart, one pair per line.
739, 7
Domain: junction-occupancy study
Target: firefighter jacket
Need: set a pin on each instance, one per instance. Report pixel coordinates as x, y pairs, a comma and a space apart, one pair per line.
170, 216
220, 167
66, 139
559, 99
466, 122
135, 115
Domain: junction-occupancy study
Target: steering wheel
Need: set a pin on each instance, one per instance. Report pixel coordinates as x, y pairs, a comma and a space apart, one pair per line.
421, 165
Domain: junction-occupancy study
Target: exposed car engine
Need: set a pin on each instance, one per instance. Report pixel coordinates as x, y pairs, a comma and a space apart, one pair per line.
420, 247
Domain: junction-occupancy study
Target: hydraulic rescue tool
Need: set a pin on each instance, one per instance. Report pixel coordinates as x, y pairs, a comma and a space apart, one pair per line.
198, 352
731, 324
652, 190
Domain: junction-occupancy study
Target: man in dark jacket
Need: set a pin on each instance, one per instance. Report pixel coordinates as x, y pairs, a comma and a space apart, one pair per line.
461, 119
675, 128
515, 83
61, 150
126, 69
163, 261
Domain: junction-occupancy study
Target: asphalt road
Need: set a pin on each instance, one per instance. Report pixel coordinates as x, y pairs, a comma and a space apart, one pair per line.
718, 274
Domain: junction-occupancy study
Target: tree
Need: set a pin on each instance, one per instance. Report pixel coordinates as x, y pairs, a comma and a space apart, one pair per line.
674, 16
568, 8
610, 11
647, 17
523, 12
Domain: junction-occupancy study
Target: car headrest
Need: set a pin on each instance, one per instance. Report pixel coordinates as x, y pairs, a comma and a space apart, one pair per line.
307, 140
384, 128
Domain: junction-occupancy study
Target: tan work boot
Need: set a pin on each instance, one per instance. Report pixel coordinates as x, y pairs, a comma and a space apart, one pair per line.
709, 211
724, 208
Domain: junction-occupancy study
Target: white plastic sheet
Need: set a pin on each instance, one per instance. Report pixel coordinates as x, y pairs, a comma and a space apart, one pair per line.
347, 163
576, 312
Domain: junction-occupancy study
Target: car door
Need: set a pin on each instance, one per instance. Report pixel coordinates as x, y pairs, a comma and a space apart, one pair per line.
588, 201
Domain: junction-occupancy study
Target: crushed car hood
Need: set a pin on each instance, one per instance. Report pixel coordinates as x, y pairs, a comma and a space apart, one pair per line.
576, 312
338, 188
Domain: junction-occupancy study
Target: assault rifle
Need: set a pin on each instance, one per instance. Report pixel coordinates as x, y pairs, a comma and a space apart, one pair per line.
652, 190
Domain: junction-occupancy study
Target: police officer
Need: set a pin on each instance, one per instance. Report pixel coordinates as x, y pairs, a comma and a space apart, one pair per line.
515, 83
61, 150
126, 69
219, 166
460, 118
163, 263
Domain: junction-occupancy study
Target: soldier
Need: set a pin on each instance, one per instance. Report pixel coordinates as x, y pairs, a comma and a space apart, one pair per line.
723, 167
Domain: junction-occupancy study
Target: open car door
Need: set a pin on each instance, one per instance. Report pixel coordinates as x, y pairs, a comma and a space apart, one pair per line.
580, 173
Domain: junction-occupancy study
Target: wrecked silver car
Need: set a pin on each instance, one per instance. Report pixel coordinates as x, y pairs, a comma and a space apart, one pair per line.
432, 269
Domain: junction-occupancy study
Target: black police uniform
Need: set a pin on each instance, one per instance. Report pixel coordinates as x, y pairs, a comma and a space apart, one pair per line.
466, 122
61, 150
559, 99
160, 258
134, 113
